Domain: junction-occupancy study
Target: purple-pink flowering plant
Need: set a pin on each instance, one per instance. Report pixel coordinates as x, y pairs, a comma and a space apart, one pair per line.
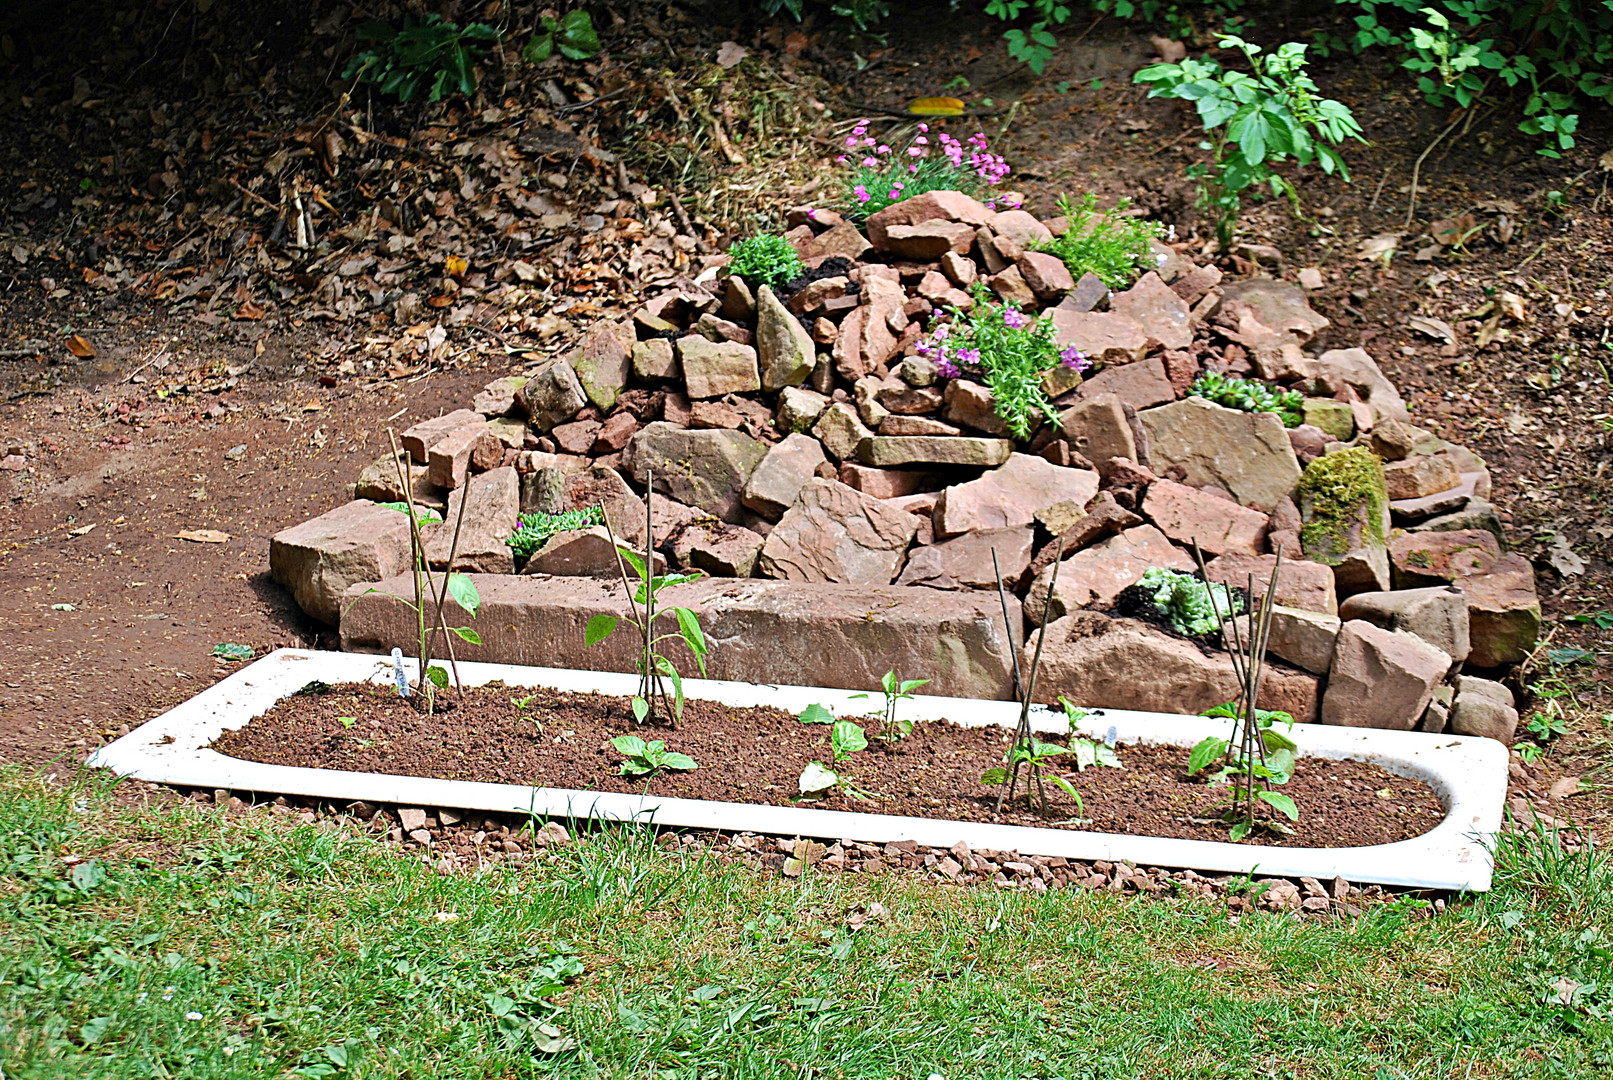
1006, 349
879, 175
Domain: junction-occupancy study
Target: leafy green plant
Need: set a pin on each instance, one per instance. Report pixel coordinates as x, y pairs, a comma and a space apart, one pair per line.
643, 758
1186, 600
1255, 121
572, 36
1557, 55
895, 691
1107, 243
522, 704
458, 586
1032, 45
765, 259
879, 175
535, 530
1009, 351
1035, 755
426, 514
1254, 757
846, 738
652, 702
1547, 724
428, 52
1088, 752
1251, 395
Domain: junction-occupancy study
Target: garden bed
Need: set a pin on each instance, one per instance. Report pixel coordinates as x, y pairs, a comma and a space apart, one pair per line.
1467, 776
755, 755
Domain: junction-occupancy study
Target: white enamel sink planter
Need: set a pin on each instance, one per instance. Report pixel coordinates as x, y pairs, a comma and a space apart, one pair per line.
1468, 775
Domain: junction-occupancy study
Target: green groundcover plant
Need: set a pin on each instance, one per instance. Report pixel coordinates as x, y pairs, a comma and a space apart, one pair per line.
535, 530
1009, 351
765, 259
428, 53
1107, 243
1186, 600
1250, 395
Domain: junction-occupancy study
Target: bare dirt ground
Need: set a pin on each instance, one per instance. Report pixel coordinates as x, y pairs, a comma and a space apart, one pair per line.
114, 472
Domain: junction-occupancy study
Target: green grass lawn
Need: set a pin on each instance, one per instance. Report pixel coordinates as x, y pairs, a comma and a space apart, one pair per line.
191, 943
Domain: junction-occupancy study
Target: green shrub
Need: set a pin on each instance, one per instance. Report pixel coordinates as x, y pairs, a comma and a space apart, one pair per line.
427, 51
765, 260
1008, 351
572, 36
1106, 243
1185, 600
1254, 121
1250, 395
535, 530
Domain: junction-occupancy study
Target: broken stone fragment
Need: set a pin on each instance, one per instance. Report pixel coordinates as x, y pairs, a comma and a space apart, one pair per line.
448, 461
497, 398
714, 368
1483, 709
1190, 516
1105, 337
1420, 476
1381, 678
972, 405
966, 561
888, 452
1245, 454
1437, 615
317, 560
1099, 573
841, 431
418, 439
778, 479
1161, 313
603, 360
784, 348
551, 396
1503, 612
704, 469
834, 533
1421, 559
720, 549
654, 361
492, 506
1011, 496
799, 409
1300, 584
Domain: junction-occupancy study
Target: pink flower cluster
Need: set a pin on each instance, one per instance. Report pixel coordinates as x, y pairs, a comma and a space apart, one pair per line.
950, 360
862, 149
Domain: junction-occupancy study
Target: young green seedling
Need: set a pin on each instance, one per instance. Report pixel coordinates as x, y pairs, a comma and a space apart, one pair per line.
1088, 752
652, 702
895, 690
643, 758
845, 738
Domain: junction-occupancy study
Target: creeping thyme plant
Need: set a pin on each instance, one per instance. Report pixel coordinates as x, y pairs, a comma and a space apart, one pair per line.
879, 176
1007, 350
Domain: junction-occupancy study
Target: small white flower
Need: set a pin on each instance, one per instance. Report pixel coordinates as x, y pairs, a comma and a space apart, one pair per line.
447, 916
193, 1016
168, 994
141, 998
228, 1050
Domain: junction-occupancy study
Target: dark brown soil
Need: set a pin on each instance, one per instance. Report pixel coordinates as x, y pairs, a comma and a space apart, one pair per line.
756, 756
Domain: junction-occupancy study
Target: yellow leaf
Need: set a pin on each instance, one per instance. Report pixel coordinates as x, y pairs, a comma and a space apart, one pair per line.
454, 266
935, 106
80, 348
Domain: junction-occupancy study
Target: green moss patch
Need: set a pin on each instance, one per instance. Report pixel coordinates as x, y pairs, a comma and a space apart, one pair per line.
1340, 493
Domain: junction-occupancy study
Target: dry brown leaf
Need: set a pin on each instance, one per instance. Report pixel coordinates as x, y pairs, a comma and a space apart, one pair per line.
80, 348
202, 536
1512, 306
730, 53
250, 310
1438, 329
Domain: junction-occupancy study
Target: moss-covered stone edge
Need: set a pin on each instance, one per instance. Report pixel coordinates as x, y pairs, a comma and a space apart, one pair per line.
1333, 491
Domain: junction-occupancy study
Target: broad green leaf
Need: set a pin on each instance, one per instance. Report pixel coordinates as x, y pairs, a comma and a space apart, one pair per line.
846, 738
599, 628
994, 777
911, 685
634, 561
641, 709
438, 676
1276, 740
1238, 831
1281, 802
463, 590
1281, 765
576, 36
1205, 752
689, 626
889, 682
680, 762
1228, 710
816, 714
465, 633
655, 749
1085, 753
231, 651
1106, 756
1069, 789
93, 1029
631, 745
817, 778
1040, 750
539, 49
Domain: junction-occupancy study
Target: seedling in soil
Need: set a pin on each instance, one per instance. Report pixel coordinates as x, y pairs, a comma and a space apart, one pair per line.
643, 758
522, 705
1088, 752
347, 721
1255, 756
1026, 749
895, 690
845, 738
653, 704
1034, 754
455, 585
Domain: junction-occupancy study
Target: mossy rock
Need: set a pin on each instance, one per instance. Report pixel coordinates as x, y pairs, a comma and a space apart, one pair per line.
1345, 505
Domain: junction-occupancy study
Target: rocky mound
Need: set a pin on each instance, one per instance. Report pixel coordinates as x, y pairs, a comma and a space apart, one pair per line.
806, 434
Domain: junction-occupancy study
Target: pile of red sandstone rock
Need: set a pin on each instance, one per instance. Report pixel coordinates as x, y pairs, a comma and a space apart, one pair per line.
799, 437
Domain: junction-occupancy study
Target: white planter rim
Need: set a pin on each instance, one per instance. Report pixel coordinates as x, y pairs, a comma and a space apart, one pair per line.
1468, 775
